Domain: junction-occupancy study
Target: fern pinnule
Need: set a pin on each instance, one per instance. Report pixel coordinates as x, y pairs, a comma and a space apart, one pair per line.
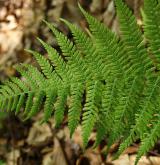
27, 77
60, 104
43, 62
74, 112
144, 115
37, 102
106, 43
151, 27
132, 37
149, 141
88, 50
69, 50
29, 103
49, 104
90, 111
61, 68
35, 74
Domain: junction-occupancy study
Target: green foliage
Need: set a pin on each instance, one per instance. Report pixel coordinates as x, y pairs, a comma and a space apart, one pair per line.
2, 162
103, 80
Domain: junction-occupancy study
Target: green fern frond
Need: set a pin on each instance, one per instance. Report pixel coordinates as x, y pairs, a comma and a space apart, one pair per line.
68, 49
133, 39
100, 79
85, 45
149, 141
151, 14
60, 105
106, 43
74, 112
109, 102
124, 115
28, 79
146, 112
61, 68
37, 102
90, 113
48, 107
43, 62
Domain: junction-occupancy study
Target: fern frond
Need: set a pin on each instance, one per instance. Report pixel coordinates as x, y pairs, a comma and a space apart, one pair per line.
48, 107
90, 110
149, 141
37, 102
28, 79
43, 62
106, 43
145, 114
13, 100
61, 67
29, 103
6, 91
74, 112
124, 115
151, 14
60, 105
70, 52
35, 75
133, 39
85, 45
103, 80
109, 102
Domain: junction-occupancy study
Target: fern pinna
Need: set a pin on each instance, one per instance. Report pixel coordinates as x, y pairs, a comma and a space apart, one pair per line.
105, 81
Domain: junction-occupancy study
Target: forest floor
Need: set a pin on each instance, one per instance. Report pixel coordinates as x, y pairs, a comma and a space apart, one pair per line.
30, 143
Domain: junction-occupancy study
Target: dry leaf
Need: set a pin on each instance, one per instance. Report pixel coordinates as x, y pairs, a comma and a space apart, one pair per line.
12, 157
152, 160
56, 157
39, 134
123, 160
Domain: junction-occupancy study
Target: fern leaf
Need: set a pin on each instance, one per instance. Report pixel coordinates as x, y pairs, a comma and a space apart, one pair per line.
126, 108
90, 111
48, 107
28, 79
60, 65
29, 103
43, 62
106, 43
70, 52
20, 103
145, 114
149, 141
132, 37
86, 47
60, 105
75, 107
151, 21
20, 84
35, 74
109, 102
36, 104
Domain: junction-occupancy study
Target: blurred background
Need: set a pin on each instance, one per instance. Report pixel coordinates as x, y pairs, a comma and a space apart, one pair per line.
29, 143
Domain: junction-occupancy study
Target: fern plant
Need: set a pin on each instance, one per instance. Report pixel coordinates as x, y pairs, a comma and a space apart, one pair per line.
104, 81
